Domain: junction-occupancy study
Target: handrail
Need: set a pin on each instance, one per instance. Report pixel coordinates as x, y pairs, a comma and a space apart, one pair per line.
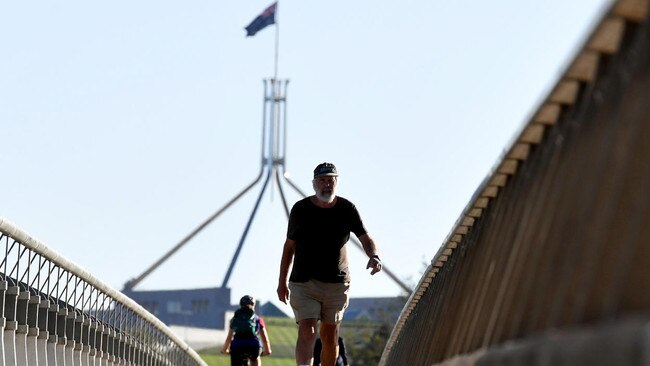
107, 310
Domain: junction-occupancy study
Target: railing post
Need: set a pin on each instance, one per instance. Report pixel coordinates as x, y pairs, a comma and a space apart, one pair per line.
33, 330
115, 358
121, 347
72, 345
82, 338
41, 342
106, 347
85, 341
99, 355
3, 321
21, 330
61, 316
11, 299
92, 340
52, 334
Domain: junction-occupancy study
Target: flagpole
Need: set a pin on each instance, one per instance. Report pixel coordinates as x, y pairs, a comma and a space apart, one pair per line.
277, 40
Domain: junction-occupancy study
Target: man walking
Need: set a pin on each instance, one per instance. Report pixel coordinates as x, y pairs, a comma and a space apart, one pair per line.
317, 289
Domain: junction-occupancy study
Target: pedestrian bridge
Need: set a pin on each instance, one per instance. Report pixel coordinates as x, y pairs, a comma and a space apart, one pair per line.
549, 263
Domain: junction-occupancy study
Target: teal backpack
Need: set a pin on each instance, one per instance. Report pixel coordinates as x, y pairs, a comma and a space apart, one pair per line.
244, 324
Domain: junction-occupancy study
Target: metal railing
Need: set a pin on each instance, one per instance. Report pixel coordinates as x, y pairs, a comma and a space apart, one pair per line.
55, 313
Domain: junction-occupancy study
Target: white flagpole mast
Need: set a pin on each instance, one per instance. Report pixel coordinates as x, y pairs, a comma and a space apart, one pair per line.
277, 40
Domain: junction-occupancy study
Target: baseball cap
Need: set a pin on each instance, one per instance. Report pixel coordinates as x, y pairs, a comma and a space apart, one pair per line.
325, 169
246, 300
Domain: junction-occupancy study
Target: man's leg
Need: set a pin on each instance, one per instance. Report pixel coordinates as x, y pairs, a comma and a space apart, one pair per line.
306, 341
329, 335
334, 304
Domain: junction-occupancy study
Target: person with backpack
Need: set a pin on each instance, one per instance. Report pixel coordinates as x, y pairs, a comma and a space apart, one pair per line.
247, 335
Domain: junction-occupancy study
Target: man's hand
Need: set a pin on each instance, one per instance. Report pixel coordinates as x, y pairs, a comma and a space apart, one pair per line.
375, 264
266, 353
283, 292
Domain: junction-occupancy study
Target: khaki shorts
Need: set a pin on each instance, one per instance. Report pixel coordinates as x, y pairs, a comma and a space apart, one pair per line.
319, 300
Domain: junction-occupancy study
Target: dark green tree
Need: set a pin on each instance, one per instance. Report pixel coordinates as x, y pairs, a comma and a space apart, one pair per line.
367, 351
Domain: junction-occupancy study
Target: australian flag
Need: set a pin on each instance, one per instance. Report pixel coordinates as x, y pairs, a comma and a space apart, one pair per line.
266, 18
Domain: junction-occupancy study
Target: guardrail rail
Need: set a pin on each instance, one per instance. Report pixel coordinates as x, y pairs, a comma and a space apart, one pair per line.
55, 313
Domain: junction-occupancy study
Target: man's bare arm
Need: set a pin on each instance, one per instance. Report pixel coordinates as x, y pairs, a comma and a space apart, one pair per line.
371, 251
285, 265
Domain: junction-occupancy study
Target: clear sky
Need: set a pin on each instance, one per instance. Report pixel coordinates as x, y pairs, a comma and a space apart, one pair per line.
125, 124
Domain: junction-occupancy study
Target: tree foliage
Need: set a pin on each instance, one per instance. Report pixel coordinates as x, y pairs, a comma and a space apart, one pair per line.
367, 349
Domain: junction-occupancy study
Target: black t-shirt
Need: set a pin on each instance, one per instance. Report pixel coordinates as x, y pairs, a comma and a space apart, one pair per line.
320, 235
